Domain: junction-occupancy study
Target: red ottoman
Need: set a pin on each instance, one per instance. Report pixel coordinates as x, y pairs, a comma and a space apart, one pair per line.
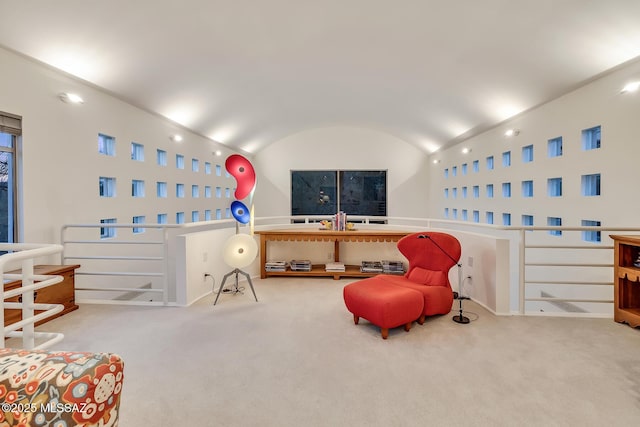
383, 304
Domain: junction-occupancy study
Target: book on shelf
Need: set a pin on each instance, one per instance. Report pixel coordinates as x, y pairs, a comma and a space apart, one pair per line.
300, 265
334, 266
371, 267
392, 267
276, 266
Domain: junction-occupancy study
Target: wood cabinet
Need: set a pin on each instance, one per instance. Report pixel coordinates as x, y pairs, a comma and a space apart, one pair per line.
626, 280
60, 293
311, 236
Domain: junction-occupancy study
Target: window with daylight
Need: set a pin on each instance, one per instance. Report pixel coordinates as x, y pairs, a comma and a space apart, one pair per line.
161, 157
10, 196
137, 188
490, 163
207, 168
179, 217
218, 213
527, 220
446, 193
106, 145
227, 213
591, 235
207, 191
506, 189
489, 217
476, 166
161, 189
446, 213
490, 191
207, 214
446, 173
227, 192
179, 190
138, 220
464, 192
554, 147
591, 185
527, 154
137, 152
107, 186
527, 188
195, 165
179, 161
195, 191
454, 211
476, 191
454, 192
464, 169
506, 219
218, 170
107, 232
554, 187
554, 221
591, 138
218, 192
506, 159
465, 215
195, 216
454, 171
476, 216
162, 218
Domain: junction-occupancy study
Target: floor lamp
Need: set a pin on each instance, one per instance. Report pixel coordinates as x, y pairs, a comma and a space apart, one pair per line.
239, 251
458, 318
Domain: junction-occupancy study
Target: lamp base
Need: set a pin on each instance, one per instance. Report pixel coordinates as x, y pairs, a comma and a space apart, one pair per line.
461, 319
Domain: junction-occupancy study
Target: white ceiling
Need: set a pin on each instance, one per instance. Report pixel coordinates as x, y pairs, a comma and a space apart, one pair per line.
250, 72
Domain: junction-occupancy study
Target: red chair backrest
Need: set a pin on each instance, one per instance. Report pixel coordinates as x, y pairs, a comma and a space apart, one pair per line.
429, 250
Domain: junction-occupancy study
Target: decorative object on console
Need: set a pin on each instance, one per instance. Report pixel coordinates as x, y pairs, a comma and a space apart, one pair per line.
241, 249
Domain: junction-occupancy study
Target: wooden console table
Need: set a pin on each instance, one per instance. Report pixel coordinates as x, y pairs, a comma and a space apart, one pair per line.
626, 280
60, 293
316, 235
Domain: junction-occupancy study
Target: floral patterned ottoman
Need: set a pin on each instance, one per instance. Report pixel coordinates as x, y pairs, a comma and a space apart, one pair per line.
40, 388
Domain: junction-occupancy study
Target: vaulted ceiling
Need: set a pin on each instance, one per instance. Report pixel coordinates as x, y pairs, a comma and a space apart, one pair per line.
247, 73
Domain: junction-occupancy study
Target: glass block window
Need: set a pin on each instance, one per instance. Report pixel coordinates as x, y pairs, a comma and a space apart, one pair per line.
137, 188
207, 191
179, 217
476, 216
218, 170
218, 213
591, 138
179, 190
137, 152
454, 192
454, 171
106, 145
490, 165
527, 188
506, 159
227, 193
464, 192
527, 154
464, 169
454, 212
161, 157
446, 173
554, 147
138, 220
162, 218
446, 193
591, 235
554, 187
506, 219
227, 213
527, 220
107, 232
476, 166
489, 216
554, 221
465, 215
218, 192
179, 161
161, 189
107, 186
195, 191
207, 168
195, 216
490, 191
446, 212
207, 214
476, 191
195, 165
591, 184
506, 189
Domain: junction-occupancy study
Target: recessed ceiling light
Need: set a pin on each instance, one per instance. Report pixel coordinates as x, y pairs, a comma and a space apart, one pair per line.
218, 153
176, 138
631, 87
466, 150
436, 161
71, 98
512, 132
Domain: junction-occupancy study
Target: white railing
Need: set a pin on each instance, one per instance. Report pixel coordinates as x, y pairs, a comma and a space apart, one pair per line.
23, 255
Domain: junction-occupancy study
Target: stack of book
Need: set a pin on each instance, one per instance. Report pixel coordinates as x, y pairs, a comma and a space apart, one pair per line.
392, 267
371, 267
275, 266
334, 266
300, 265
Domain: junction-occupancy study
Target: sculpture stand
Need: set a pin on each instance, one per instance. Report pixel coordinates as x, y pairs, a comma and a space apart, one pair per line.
235, 289
460, 318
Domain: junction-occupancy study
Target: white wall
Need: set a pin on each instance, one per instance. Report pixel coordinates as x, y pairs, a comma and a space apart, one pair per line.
343, 148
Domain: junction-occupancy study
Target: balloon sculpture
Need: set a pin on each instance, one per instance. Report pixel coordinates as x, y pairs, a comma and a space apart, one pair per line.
240, 249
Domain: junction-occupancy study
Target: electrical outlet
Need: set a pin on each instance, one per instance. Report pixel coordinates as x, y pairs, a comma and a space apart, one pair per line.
205, 256
470, 261
329, 256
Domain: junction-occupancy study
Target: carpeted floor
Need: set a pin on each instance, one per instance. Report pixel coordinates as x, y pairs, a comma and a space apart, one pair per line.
296, 359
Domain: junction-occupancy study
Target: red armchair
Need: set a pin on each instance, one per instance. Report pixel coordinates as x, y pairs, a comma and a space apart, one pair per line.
429, 267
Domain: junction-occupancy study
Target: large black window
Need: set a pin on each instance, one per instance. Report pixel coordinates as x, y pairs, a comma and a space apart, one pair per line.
330, 191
